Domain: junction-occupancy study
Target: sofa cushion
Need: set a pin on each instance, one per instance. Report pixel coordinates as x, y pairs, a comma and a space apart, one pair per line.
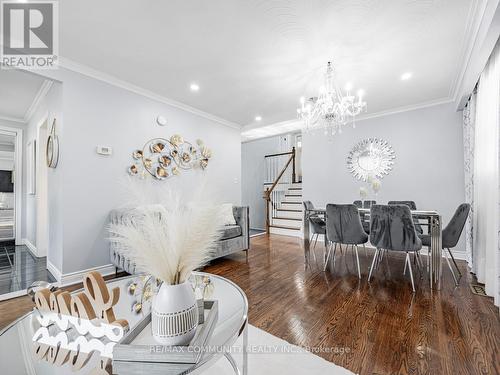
231, 231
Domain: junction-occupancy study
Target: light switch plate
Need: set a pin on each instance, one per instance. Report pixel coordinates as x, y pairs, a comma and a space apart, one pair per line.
104, 150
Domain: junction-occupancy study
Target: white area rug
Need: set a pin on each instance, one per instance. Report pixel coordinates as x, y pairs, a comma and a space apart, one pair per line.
295, 360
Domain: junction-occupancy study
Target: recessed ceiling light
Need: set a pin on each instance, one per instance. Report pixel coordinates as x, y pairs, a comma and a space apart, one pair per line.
406, 76
194, 87
258, 118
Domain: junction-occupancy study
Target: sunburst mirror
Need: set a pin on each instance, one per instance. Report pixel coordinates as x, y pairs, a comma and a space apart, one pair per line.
370, 158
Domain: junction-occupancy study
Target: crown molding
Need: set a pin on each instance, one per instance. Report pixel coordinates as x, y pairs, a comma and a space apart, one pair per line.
104, 77
44, 89
407, 108
474, 16
281, 126
12, 119
485, 31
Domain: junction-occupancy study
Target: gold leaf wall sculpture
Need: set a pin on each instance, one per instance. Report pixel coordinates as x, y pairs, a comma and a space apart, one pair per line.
163, 158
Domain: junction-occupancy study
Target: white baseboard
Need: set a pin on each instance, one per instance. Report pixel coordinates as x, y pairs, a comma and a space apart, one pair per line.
77, 277
54, 271
15, 294
64, 279
30, 246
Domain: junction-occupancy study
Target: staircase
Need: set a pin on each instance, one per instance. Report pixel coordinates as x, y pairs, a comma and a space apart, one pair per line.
283, 195
286, 219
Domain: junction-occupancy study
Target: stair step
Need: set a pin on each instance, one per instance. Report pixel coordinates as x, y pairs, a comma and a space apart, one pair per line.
292, 199
295, 214
287, 218
293, 195
286, 232
285, 227
291, 202
290, 206
290, 222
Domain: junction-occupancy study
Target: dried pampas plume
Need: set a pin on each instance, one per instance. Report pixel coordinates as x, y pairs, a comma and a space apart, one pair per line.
170, 239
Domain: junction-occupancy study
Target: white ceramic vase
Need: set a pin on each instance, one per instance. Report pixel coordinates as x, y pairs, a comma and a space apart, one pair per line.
174, 314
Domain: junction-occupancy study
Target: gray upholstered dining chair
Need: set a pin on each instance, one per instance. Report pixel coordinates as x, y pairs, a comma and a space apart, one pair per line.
451, 235
318, 225
343, 226
364, 204
392, 228
413, 207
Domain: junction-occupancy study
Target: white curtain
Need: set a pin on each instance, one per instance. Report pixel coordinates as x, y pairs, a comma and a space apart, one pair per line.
469, 120
486, 189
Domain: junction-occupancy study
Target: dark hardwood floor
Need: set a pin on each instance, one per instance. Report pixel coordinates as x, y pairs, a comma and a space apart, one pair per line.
376, 328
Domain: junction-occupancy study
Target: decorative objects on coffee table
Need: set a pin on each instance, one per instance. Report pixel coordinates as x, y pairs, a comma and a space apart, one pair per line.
52, 150
370, 158
89, 312
170, 242
225, 341
163, 158
74, 326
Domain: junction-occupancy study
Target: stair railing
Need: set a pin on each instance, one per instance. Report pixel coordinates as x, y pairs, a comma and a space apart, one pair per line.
276, 175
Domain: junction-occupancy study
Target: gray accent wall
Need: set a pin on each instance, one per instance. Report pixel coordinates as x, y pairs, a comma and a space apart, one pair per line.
428, 167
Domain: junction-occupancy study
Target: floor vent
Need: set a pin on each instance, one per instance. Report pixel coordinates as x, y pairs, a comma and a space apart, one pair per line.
478, 289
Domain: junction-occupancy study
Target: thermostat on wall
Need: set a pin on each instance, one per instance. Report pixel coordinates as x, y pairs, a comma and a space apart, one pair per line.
104, 150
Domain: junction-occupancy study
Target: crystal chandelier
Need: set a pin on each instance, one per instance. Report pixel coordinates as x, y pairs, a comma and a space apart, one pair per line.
331, 109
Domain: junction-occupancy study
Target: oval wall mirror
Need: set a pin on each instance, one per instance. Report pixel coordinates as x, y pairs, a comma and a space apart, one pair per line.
370, 157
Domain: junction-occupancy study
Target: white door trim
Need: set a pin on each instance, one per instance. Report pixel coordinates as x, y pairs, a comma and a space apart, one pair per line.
41, 250
18, 178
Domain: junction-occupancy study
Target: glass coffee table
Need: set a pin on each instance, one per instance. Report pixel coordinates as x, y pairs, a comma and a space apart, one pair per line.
18, 349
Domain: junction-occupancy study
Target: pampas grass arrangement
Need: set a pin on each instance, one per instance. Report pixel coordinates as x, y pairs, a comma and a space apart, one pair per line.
171, 239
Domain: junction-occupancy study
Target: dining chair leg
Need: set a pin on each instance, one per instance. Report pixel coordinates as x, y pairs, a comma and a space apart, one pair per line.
411, 272
428, 259
316, 241
327, 257
454, 262
451, 269
357, 259
373, 263
313, 251
379, 255
366, 251
334, 253
404, 270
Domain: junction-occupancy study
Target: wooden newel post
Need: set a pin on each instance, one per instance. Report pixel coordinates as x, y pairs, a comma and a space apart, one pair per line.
267, 198
293, 165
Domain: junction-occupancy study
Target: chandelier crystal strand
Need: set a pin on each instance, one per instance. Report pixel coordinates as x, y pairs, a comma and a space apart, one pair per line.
331, 109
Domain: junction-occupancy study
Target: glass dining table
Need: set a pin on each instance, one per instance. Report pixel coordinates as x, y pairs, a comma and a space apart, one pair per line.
431, 219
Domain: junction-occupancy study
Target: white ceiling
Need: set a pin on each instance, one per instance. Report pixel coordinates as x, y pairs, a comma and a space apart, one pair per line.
258, 57
18, 90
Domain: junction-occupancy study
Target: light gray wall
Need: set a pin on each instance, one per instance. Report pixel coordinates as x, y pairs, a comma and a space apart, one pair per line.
428, 167
253, 175
97, 113
51, 108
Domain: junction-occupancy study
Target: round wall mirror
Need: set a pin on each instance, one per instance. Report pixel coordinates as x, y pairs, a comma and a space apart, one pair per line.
370, 157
